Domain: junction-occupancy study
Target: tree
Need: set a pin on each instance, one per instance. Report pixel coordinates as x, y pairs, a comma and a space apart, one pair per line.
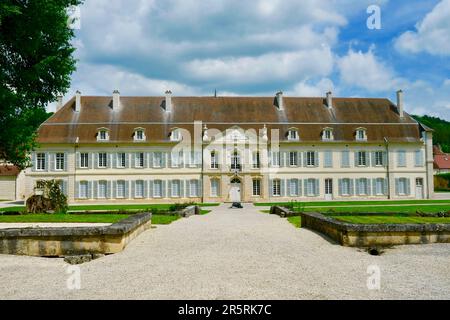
441, 134
36, 61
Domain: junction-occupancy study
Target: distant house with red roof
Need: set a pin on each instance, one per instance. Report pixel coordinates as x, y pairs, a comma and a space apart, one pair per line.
441, 161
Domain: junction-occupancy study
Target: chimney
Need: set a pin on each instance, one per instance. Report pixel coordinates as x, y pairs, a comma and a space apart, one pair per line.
77, 101
59, 102
400, 103
280, 102
116, 100
329, 99
168, 104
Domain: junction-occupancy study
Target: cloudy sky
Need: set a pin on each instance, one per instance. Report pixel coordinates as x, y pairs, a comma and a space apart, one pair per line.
257, 47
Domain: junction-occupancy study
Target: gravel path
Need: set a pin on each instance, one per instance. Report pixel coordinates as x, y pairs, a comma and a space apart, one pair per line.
234, 254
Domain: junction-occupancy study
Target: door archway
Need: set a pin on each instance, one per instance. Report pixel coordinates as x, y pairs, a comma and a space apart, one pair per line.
235, 190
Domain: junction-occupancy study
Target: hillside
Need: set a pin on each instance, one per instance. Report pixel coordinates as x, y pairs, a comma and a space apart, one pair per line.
441, 128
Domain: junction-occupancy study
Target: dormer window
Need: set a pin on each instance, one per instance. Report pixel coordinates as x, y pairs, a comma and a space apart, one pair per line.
139, 134
327, 134
361, 134
293, 135
175, 135
103, 134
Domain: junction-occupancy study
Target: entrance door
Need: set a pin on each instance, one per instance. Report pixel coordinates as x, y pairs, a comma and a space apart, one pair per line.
328, 189
235, 190
419, 188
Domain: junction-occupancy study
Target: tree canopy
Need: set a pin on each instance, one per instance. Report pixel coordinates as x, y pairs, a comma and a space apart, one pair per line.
36, 61
441, 134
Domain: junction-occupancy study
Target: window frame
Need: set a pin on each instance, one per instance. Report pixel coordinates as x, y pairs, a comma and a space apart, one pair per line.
256, 187
41, 161
276, 188
84, 157
100, 162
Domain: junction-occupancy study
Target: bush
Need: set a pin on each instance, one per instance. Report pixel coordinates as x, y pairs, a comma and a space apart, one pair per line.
53, 199
442, 182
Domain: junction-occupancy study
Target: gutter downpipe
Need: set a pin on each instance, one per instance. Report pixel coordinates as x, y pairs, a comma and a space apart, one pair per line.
388, 173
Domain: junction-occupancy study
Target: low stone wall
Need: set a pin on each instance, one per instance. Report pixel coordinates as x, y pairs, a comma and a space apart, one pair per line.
282, 212
189, 211
366, 235
59, 242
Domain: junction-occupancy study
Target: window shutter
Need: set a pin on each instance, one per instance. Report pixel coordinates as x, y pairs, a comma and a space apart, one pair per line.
65, 161
369, 187
164, 156
109, 189
150, 188
200, 188
408, 186
78, 159
96, 160
64, 188
127, 189
316, 187
170, 162
282, 159
95, 191
340, 187
299, 159
136, 160
114, 189
385, 158
385, 187
133, 189
305, 190
316, 159
352, 187
270, 158
90, 193
305, 159
77, 189
328, 159
373, 160
47, 161
33, 162
356, 158
52, 162
271, 187
127, 160
182, 184
283, 187
397, 183
374, 187
150, 160
299, 184
163, 189
91, 160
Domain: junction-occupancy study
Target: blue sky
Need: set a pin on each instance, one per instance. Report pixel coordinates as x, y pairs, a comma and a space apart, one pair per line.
258, 47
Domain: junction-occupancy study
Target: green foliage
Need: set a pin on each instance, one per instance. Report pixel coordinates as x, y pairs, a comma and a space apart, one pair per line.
442, 182
35, 66
441, 129
52, 191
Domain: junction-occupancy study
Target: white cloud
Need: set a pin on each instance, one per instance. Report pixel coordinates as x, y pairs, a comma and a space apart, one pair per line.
366, 71
432, 34
272, 66
317, 89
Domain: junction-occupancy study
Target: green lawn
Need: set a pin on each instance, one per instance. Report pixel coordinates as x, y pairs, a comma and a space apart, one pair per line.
113, 207
88, 218
164, 219
389, 219
388, 209
203, 212
296, 221
356, 203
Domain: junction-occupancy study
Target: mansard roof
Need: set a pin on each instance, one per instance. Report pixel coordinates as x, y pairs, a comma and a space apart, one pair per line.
310, 115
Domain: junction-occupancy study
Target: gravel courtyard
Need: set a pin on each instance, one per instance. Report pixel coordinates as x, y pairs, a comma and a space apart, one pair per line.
234, 254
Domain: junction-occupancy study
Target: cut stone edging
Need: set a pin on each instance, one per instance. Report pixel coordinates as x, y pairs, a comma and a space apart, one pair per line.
366, 235
59, 242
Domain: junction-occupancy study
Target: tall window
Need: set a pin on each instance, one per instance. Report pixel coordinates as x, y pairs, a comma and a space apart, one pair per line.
310, 158
59, 161
402, 186
157, 189
363, 187
193, 188
139, 161
293, 187
256, 160
378, 158
401, 158
84, 160
345, 159
235, 161
214, 160
311, 187
256, 187
214, 188
361, 158
328, 159
157, 159
120, 189
101, 191
379, 186
139, 189
293, 158
418, 158
345, 187
83, 192
175, 188
276, 188
102, 160
275, 158
40, 161
121, 160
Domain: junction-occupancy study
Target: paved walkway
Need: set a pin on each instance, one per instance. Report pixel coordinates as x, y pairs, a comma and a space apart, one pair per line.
234, 254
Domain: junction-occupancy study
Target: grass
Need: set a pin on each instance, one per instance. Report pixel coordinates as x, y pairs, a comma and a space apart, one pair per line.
375, 219
69, 218
356, 203
113, 207
203, 212
296, 221
388, 209
164, 219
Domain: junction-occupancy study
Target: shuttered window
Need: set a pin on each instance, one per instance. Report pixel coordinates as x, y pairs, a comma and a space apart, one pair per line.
102, 189
157, 189
256, 187
276, 188
345, 159
214, 188
401, 158
84, 160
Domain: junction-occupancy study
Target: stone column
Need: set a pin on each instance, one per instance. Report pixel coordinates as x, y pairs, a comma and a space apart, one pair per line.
429, 163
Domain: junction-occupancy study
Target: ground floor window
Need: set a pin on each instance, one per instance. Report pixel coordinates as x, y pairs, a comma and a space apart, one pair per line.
193, 188
120, 189
345, 187
157, 189
363, 187
276, 188
379, 186
83, 189
102, 189
139, 189
214, 188
311, 187
402, 186
256, 187
293, 187
41, 161
175, 188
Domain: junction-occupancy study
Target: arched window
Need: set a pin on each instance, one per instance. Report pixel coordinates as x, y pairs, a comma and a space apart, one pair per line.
235, 160
327, 134
139, 134
361, 134
175, 135
102, 134
293, 135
